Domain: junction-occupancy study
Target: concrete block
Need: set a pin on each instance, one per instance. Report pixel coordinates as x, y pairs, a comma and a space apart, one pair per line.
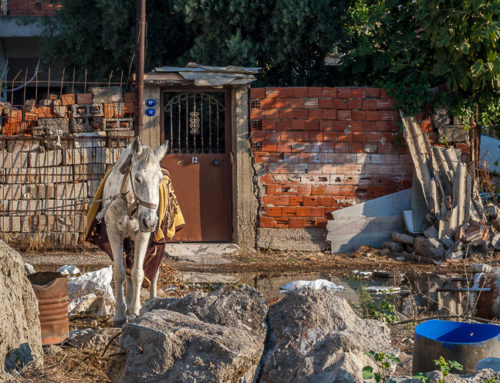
13, 160
26, 205
56, 124
453, 133
19, 176
107, 94
38, 191
69, 223
43, 223
89, 172
15, 146
71, 191
58, 174
12, 224
14, 191
90, 141
77, 156
48, 158
60, 111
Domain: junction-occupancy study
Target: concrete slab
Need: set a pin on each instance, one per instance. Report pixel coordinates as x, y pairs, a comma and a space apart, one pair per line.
200, 253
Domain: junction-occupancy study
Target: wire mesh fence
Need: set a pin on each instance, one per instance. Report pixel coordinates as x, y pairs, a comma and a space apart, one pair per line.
58, 140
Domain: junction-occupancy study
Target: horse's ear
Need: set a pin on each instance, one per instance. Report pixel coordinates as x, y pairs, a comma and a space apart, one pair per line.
136, 147
161, 150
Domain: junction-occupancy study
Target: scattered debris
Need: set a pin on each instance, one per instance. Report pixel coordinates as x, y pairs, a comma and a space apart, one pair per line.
369, 223
362, 274
393, 246
318, 284
69, 270
91, 292
403, 238
444, 205
383, 289
29, 268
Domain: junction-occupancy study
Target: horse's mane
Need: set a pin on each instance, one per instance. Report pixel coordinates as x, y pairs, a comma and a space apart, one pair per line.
148, 156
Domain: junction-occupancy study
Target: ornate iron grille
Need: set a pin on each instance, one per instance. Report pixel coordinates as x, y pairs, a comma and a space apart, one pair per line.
194, 122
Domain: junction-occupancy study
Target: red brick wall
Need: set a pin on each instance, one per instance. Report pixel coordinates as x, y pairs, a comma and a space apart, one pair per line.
321, 149
32, 7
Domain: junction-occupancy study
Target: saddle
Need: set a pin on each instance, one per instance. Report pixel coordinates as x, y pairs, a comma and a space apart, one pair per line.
170, 220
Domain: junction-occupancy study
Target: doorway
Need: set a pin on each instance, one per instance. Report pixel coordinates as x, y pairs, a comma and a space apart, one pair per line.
197, 123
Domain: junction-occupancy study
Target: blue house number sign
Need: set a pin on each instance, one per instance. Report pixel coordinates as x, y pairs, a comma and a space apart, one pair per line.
150, 103
150, 112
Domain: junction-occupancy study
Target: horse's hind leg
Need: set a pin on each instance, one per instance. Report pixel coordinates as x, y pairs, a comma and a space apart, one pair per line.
153, 289
116, 242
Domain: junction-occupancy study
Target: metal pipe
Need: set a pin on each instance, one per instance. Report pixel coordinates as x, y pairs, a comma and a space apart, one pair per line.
139, 62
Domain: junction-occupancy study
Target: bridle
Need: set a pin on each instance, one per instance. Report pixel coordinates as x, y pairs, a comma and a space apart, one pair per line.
132, 207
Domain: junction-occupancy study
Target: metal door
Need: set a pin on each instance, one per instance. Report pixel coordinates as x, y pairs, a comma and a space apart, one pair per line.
198, 126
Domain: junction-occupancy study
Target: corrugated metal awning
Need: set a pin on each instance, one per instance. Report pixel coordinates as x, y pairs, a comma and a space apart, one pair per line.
202, 75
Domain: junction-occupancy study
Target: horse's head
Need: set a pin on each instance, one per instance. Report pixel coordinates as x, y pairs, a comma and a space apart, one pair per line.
145, 177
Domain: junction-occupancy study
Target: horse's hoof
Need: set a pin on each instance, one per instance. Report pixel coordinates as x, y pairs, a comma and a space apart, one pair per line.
119, 322
131, 317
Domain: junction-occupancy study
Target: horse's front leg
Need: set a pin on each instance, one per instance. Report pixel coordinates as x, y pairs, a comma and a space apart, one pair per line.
153, 289
116, 242
140, 247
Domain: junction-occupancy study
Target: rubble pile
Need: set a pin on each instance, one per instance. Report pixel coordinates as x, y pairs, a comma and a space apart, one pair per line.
103, 110
52, 156
447, 220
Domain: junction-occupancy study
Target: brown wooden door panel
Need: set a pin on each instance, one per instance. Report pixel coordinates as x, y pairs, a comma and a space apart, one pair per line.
198, 125
203, 189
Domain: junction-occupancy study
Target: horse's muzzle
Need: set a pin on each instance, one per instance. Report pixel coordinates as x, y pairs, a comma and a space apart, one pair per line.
147, 225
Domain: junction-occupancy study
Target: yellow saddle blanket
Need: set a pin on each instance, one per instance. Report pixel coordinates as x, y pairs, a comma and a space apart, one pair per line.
170, 220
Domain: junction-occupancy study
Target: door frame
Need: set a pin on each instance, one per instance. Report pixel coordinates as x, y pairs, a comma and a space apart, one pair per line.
245, 171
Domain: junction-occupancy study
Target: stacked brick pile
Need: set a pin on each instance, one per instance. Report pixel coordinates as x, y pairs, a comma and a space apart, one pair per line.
44, 193
104, 111
321, 149
52, 156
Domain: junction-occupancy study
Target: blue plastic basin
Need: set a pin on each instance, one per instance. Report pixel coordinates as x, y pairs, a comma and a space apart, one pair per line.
467, 343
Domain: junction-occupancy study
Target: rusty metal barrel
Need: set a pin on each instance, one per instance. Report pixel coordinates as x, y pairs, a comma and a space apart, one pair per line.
467, 343
51, 291
487, 306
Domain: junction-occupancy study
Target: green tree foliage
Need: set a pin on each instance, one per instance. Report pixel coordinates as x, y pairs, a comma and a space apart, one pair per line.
289, 39
413, 46
100, 35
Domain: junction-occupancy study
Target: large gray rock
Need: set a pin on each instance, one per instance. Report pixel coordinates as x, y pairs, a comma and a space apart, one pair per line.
166, 346
20, 335
217, 337
315, 336
244, 308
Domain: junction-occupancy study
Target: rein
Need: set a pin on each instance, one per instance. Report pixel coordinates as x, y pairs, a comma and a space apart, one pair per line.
132, 207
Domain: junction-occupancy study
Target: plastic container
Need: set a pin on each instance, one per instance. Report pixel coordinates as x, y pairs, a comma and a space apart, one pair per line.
467, 343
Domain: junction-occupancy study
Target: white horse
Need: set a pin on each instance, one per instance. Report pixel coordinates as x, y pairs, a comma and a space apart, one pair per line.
131, 193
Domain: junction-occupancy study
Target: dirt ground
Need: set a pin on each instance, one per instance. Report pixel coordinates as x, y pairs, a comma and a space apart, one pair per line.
67, 364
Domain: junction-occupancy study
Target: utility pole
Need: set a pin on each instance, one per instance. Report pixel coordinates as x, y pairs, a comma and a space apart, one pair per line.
139, 63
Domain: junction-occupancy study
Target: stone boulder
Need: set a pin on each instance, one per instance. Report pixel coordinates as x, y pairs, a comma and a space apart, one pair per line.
217, 337
20, 337
244, 308
315, 336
